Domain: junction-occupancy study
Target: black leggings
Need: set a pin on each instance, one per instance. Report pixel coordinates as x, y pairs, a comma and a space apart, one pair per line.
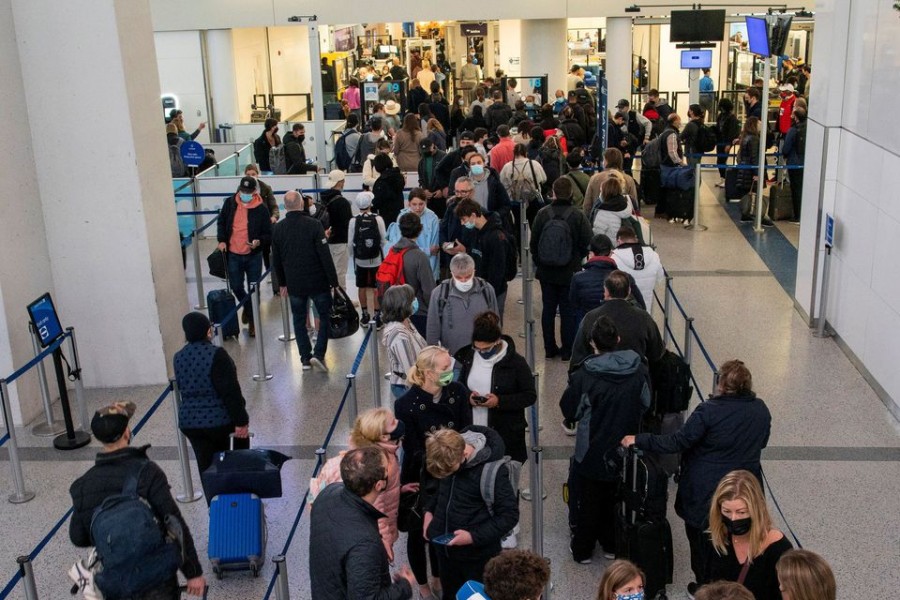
207, 442
415, 550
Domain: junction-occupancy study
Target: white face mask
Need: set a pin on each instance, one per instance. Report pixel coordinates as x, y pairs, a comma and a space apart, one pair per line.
312, 210
464, 286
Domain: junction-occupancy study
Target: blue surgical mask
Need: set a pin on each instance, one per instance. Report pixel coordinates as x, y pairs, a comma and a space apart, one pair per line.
415, 305
469, 225
477, 169
635, 596
490, 352
245, 198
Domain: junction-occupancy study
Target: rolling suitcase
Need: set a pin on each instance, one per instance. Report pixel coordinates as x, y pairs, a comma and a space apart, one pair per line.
650, 185
679, 204
781, 205
237, 533
643, 534
220, 303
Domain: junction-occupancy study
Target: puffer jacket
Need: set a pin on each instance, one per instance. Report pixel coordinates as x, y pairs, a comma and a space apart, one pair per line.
587, 288
645, 277
608, 219
460, 505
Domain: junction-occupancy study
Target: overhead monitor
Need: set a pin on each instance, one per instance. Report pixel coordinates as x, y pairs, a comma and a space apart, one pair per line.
758, 35
45, 320
780, 26
697, 26
696, 59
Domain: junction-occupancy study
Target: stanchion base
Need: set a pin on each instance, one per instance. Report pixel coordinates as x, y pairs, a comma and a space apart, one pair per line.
63, 442
25, 497
694, 227
185, 499
48, 429
265, 377
290, 338
200, 306
526, 495
825, 334
760, 230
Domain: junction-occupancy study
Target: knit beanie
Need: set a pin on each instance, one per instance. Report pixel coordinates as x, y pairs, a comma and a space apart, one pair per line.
195, 325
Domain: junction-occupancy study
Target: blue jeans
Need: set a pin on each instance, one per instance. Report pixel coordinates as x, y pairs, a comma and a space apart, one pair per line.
299, 307
239, 266
552, 296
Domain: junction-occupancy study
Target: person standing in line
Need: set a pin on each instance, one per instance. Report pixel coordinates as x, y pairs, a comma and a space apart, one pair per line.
177, 117
516, 575
364, 241
351, 94
402, 340
406, 143
707, 91
491, 248
212, 406
428, 239
339, 215
388, 188
794, 149
265, 192
804, 575
417, 270
267, 140
243, 228
454, 303
727, 129
622, 580
295, 153
303, 263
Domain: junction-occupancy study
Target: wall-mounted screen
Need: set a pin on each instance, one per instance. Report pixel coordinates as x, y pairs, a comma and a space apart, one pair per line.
697, 26
696, 59
758, 35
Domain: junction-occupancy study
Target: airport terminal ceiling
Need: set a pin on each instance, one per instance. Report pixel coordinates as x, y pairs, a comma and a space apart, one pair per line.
175, 15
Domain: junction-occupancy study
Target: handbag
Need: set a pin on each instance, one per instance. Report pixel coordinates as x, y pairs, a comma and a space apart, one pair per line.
82, 573
344, 320
409, 511
216, 262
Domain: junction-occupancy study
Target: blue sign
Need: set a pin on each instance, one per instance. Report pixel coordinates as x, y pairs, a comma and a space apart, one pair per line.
829, 231
192, 154
45, 321
602, 110
395, 88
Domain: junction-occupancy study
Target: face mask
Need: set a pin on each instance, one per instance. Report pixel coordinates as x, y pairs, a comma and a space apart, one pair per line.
245, 198
469, 225
464, 286
737, 526
398, 432
486, 354
634, 596
312, 210
477, 170
415, 306
445, 378
462, 103
300, 138
529, 105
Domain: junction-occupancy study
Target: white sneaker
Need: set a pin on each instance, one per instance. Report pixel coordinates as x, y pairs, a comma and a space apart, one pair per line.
318, 363
570, 428
509, 542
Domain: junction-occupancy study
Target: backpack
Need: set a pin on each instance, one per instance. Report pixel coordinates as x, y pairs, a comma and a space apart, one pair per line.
390, 271
650, 156
556, 246
131, 544
342, 157
277, 160
512, 258
176, 162
445, 295
706, 138
366, 237
523, 189
489, 479
670, 378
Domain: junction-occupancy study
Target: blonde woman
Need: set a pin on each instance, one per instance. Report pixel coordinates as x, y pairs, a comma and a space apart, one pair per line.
379, 428
745, 544
434, 401
804, 575
622, 580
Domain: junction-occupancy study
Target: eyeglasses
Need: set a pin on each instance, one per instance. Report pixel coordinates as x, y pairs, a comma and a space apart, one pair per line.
459, 191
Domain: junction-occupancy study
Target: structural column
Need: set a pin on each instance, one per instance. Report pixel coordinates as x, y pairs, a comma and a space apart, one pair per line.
619, 68
222, 80
544, 51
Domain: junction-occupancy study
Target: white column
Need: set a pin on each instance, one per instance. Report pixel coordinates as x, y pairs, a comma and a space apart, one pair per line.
108, 211
544, 51
511, 46
222, 80
618, 59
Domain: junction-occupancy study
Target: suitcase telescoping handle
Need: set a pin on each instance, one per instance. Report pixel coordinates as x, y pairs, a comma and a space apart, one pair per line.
232, 437
183, 588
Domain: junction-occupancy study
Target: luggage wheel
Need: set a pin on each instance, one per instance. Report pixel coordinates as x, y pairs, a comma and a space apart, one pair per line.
218, 572
254, 571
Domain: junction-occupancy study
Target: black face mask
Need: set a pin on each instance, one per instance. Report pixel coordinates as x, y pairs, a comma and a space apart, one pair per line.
737, 526
300, 138
398, 431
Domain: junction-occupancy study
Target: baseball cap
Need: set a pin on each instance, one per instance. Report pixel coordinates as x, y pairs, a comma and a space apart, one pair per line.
364, 200
467, 135
426, 144
622, 102
787, 87
109, 423
248, 185
335, 177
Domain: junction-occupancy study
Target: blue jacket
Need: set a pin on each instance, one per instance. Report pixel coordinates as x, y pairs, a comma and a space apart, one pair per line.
723, 434
586, 289
795, 144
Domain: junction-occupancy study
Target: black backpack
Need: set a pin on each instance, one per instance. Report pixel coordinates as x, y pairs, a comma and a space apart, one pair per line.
706, 138
512, 258
366, 237
131, 544
556, 246
342, 157
670, 378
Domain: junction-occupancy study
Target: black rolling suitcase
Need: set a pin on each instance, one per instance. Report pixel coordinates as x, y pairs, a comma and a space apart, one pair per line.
679, 204
220, 303
651, 186
781, 204
643, 534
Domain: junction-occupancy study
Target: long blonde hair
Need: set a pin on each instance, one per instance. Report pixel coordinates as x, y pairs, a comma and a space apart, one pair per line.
740, 485
806, 576
370, 426
424, 363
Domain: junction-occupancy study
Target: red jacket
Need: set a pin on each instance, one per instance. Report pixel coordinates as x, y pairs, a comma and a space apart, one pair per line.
784, 113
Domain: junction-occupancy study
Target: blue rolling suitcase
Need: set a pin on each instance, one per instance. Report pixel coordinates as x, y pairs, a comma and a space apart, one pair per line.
220, 303
237, 533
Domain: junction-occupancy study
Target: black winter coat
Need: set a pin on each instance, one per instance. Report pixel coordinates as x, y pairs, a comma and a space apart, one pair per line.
259, 226
513, 384
723, 434
339, 215
587, 287
261, 147
430, 178
106, 479
294, 155
637, 330
748, 154
497, 114
489, 252
574, 132
388, 191
581, 230
347, 558
300, 255
460, 505
421, 416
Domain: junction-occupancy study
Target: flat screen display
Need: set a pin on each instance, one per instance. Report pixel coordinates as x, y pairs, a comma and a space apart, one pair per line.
697, 26
758, 35
45, 320
343, 39
696, 59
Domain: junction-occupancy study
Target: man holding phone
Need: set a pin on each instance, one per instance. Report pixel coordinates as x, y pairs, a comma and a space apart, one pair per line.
467, 519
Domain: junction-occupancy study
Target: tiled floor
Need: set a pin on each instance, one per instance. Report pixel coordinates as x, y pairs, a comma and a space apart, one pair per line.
833, 459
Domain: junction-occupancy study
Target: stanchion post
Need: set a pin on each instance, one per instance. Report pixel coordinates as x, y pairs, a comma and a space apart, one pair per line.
189, 494
695, 221
20, 494
26, 570
50, 427
535, 412
376, 368
667, 312
262, 374
287, 336
217, 335
537, 501
528, 295
79, 382
198, 270
282, 590
763, 127
353, 407
715, 383
688, 339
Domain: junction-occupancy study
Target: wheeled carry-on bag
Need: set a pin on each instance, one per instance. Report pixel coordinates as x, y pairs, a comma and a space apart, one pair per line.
237, 533
679, 203
221, 302
781, 204
643, 534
